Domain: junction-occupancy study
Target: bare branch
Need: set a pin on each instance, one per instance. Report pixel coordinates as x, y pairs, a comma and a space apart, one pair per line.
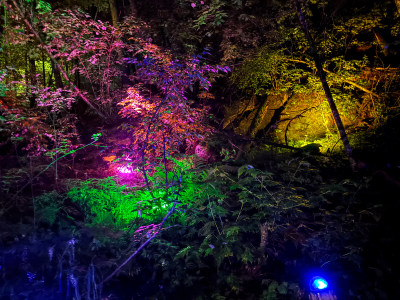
336, 75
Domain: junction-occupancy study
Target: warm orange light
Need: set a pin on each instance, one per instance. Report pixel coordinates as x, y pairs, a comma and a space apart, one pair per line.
135, 102
109, 158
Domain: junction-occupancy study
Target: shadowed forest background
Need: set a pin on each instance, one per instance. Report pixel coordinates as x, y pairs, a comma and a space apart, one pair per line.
215, 149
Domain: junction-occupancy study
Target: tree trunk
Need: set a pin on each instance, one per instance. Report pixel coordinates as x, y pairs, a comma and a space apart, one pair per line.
262, 248
383, 44
3, 21
27, 77
32, 71
33, 81
114, 13
57, 76
397, 2
328, 94
43, 69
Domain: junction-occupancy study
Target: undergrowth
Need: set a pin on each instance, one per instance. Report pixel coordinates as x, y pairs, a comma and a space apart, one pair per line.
106, 202
238, 232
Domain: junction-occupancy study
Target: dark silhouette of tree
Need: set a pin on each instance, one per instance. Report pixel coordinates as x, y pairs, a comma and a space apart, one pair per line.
328, 94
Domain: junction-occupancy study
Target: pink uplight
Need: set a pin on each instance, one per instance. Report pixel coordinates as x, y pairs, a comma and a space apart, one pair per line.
125, 170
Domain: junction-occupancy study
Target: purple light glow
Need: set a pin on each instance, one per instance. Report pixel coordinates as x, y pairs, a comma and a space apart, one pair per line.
125, 170
127, 174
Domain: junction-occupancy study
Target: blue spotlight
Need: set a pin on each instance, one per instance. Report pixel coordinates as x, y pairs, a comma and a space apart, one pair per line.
318, 283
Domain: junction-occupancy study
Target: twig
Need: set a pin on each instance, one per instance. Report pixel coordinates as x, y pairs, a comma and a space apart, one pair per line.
165, 163
241, 208
153, 236
48, 166
143, 150
212, 214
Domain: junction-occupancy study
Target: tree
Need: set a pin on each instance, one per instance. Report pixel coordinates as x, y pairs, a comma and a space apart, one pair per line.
285, 65
322, 76
163, 122
157, 114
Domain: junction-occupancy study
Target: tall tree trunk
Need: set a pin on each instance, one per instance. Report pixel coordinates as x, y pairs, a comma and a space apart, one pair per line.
381, 42
397, 2
32, 71
27, 77
43, 69
57, 76
33, 80
3, 21
77, 79
114, 13
328, 94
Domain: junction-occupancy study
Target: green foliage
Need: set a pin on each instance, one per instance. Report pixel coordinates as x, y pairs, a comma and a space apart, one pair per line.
245, 217
284, 290
266, 71
276, 72
41, 6
272, 70
106, 202
350, 46
96, 136
211, 14
47, 206
3, 86
225, 223
231, 224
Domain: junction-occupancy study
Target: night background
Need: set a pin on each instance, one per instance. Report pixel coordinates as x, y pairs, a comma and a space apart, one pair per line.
186, 149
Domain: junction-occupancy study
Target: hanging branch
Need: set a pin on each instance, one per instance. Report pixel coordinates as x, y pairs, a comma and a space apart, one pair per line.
328, 94
53, 59
300, 115
338, 76
172, 209
146, 140
95, 139
152, 237
165, 163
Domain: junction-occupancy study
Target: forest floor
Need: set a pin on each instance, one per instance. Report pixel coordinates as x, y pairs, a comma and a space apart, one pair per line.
354, 237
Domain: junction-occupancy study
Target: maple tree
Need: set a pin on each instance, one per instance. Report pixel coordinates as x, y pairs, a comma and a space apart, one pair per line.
160, 116
153, 102
166, 120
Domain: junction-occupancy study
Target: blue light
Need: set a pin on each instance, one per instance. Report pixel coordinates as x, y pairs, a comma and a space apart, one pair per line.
318, 283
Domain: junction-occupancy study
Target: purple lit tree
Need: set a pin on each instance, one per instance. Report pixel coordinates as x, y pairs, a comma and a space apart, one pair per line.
93, 57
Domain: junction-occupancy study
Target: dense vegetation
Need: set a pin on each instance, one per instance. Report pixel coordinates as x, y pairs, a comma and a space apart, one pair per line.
176, 149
